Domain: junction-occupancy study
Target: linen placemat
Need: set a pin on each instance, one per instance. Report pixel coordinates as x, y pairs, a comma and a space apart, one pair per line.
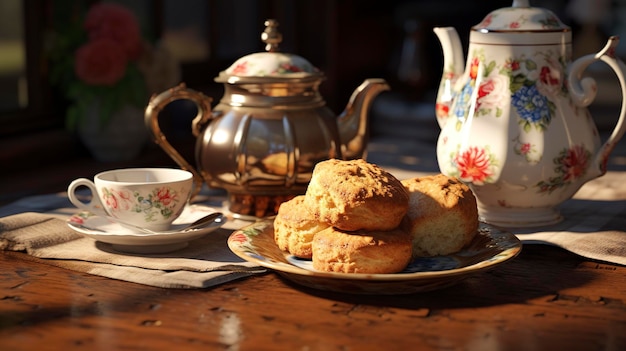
590, 228
205, 262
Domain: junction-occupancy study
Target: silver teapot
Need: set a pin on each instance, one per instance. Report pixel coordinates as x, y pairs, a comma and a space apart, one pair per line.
269, 130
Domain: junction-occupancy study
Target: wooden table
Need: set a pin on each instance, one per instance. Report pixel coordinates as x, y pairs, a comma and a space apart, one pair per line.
545, 299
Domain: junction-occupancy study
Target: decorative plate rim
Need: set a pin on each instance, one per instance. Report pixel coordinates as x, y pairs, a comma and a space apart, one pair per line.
511, 247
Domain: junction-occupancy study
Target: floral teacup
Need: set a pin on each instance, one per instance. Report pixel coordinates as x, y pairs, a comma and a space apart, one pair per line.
151, 198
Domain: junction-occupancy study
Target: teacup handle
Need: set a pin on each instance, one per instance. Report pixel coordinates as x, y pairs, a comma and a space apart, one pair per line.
583, 92
94, 206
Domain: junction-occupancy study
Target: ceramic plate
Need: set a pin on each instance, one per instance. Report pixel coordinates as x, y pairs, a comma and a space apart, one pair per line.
490, 247
124, 239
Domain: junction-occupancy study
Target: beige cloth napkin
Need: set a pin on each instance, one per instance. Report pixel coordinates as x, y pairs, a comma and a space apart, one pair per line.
591, 228
206, 262
594, 224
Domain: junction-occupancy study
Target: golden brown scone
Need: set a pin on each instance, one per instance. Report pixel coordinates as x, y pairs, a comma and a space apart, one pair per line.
442, 215
295, 226
373, 252
356, 195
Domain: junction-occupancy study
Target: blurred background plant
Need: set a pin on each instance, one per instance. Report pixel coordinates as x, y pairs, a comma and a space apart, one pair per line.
100, 60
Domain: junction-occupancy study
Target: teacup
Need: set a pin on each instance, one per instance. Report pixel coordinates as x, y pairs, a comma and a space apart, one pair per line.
150, 198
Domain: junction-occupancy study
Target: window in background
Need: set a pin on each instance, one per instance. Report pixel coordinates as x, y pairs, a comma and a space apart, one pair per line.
185, 30
13, 82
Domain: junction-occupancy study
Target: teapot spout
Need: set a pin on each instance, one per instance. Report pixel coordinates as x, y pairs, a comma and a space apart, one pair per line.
453, 61
353, 122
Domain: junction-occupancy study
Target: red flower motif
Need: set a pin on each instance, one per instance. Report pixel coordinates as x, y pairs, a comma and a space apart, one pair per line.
239, 237
241, 68
486, 22
165, 196
525, 148
110, 201
473, 165
514, 25
575, 163
76, 219
548, 76
512, 65
483, 90
443, 110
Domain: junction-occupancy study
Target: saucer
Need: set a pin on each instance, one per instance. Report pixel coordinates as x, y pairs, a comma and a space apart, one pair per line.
125, 239
489, 248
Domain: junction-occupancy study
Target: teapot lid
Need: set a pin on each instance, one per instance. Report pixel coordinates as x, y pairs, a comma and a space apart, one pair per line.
521, 17
272, 63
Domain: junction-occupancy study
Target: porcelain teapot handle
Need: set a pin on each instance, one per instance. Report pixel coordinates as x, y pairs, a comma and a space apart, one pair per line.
154, 108
583, 92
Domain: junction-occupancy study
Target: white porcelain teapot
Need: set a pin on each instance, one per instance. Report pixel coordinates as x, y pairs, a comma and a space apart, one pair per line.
514, 122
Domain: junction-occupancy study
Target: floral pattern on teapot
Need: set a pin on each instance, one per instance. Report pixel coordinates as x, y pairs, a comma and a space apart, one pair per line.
531, 87
265, 64
513, 116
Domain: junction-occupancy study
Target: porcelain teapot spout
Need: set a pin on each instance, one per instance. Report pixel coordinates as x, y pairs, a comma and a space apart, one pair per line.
453, 66
514, 120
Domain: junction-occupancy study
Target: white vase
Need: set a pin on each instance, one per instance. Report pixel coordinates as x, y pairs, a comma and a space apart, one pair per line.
122, 138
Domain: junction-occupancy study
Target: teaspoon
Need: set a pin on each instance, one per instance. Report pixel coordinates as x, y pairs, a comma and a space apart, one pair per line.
215, 217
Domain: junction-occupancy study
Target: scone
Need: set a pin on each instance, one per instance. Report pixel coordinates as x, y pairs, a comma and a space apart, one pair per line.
373, 252
295, 226
356, 195
442, 215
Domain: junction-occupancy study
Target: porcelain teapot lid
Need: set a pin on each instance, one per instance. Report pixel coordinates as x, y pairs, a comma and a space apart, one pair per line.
521, 17
272, 63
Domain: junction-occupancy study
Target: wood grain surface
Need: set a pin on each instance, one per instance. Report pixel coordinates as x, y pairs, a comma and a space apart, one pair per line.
545, 299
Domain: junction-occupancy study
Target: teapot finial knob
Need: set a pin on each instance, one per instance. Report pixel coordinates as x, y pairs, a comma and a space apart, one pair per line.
521, 3
271, 36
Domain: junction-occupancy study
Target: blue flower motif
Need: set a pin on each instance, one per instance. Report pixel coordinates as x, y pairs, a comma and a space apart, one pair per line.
463, 101
531, 105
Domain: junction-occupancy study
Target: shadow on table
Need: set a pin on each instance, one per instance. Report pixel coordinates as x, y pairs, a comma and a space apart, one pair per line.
538, 271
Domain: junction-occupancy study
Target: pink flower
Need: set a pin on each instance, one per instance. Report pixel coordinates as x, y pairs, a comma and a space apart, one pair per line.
100, 62
486, 22
239, 238
473, 164
165, 196
241, 68
525, 148
110, 201
113, 21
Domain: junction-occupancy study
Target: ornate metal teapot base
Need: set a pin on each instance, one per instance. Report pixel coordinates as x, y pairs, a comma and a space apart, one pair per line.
510, 217
255, 206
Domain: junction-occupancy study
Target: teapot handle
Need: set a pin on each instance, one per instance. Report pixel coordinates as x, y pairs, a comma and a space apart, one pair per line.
151, 118
583, 92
